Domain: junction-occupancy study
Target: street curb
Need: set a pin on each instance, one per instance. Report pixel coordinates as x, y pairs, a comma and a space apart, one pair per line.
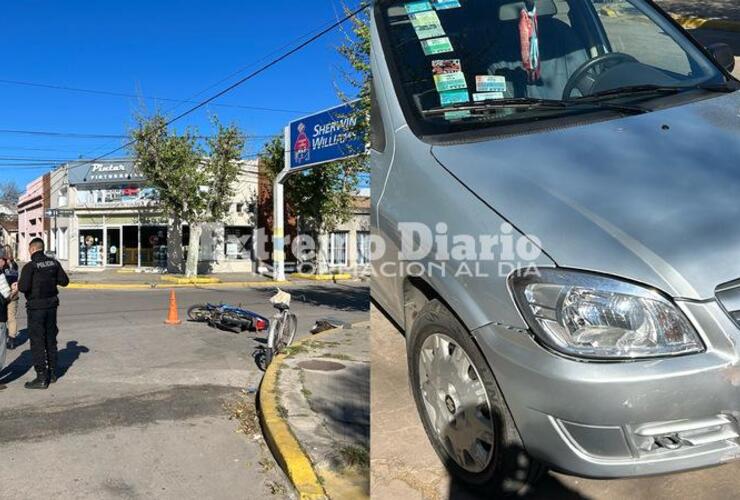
167, 286
693, 23
285, 447
178, 280
323, 277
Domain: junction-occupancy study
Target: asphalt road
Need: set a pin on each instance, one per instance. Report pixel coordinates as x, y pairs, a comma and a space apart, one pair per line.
139, 412
404, 465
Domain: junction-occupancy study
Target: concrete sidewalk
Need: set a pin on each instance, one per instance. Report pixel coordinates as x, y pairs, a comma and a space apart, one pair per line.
320, 394
131, 276
112, 279
710, 9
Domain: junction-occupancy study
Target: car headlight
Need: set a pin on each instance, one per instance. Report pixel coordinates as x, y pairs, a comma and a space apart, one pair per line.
591, 316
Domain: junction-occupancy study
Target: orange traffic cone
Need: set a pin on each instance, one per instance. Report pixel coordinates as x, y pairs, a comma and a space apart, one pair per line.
172, 317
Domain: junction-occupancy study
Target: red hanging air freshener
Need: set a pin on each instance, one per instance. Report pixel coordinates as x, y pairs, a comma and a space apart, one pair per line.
528, 36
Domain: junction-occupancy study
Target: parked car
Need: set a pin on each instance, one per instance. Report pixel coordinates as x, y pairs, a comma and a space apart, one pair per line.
599, 144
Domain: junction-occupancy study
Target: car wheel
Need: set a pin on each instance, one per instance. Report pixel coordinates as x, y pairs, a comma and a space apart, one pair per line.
462, 409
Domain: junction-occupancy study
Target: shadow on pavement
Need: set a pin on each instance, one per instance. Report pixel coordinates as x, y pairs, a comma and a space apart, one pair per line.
548, 488
21, 339
708, 9
343, 298
69, 355
24, 363
17, 369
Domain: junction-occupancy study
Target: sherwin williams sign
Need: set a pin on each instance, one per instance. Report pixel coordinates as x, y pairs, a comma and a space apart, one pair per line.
325, 137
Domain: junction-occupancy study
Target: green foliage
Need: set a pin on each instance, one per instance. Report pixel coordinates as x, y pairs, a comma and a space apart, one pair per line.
194, 185
226, 149
322, 197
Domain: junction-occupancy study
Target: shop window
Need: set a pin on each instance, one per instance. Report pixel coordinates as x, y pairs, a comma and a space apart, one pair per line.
154, 246
238, 243
91, 248
363, 248
338, 249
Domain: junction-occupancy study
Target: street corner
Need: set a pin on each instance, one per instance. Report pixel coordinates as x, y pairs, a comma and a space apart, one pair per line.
318, 394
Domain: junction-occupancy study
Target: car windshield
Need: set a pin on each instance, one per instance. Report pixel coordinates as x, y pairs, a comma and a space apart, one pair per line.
466, 64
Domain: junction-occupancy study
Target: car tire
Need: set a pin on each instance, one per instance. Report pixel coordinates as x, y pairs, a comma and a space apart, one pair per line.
496, 463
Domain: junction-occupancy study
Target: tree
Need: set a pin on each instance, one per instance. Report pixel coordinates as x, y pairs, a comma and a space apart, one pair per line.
195, 185
322, 197
9, 195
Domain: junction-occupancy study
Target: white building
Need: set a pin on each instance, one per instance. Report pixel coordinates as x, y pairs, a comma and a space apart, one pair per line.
105, 215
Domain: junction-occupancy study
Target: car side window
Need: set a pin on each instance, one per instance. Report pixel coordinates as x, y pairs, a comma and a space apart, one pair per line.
377, 128
631, 32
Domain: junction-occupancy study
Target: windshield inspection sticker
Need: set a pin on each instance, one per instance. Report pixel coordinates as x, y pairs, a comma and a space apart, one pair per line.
436, 46
448, 75
486, 96
414, 7
453, 97
427, 25
446, 4
457, 115
489, 83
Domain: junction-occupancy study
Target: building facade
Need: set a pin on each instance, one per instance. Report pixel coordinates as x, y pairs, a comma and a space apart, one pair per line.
105, 215
32, 220
8, 237
346, 249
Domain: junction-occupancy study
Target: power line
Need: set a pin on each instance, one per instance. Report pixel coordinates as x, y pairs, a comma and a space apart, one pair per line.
134, 96
250, 76
62, 134
235, 73
76, 135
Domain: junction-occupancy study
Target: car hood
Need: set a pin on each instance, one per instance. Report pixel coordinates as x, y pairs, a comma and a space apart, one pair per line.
654, 198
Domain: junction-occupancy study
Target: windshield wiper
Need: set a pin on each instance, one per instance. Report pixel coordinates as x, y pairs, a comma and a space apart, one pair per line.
529, 103
658, 89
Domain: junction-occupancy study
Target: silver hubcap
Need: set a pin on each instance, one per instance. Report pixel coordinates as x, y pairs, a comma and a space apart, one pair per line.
456, 402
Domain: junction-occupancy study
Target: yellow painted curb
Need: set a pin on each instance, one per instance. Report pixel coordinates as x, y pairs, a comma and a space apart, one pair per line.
322, 277
178, 280
280, 438
693, 23
285, 446
609, 12
166, 286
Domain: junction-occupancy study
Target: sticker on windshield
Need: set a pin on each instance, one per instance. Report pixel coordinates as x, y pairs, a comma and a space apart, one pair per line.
435, 46
490, 83
457, 115
448, 75
446, 4
452, 97
487, 96
414, 7
427, 25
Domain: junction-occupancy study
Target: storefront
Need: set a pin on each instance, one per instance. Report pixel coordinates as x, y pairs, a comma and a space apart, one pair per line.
115, 221
121, 245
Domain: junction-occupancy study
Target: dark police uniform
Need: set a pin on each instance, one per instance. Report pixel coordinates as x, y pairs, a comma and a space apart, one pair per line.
38, 282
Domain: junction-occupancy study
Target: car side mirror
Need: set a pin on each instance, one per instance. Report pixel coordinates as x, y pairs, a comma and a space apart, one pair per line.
722, 53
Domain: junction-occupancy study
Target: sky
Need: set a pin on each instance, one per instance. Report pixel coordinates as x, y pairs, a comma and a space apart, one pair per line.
165, 48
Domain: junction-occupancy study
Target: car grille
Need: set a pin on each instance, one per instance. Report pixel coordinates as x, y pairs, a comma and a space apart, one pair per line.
729, 296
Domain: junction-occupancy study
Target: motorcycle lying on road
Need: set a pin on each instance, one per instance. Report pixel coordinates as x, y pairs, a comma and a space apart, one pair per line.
228, 317
281, 329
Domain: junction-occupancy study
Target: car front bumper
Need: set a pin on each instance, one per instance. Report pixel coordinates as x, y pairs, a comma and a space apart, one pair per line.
609, 420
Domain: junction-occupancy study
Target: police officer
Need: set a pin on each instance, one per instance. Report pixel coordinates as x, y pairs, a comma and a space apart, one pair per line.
39, 280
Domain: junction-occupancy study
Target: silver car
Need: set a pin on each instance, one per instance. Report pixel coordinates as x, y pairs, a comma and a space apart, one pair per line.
556, 194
